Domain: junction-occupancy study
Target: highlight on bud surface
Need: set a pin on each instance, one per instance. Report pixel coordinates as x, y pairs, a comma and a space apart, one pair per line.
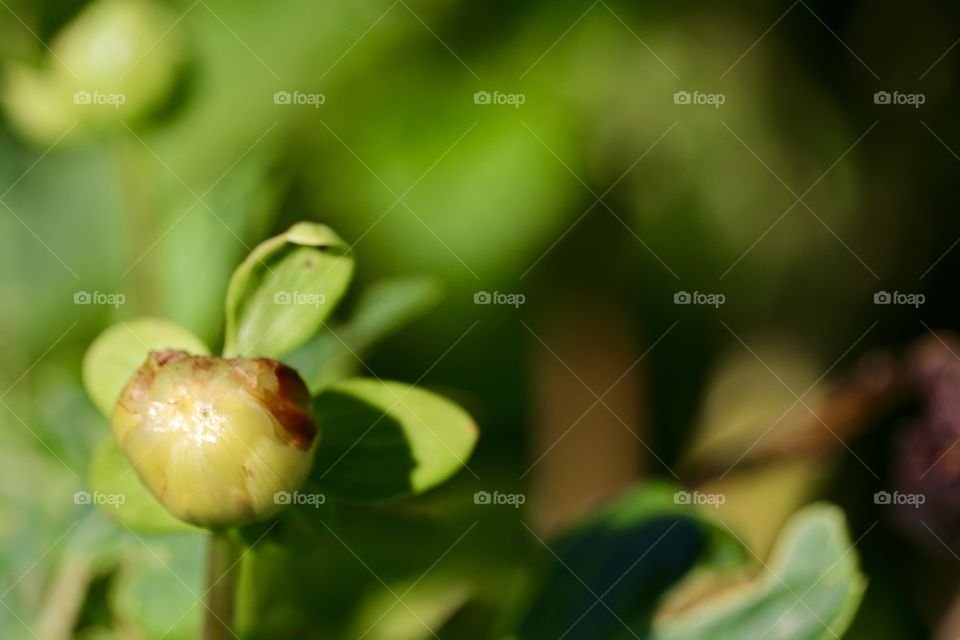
215, 439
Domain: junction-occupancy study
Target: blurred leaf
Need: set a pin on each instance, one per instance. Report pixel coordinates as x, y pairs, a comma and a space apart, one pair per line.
382, 440
811, 589
120, 350
342, 601
285, 289
452, 150
73, 427
91, 548
627, 556
760, 500
193, 263
746, 408
159, 587
36, 514
111, 474
383, 308
429, 604
296, 528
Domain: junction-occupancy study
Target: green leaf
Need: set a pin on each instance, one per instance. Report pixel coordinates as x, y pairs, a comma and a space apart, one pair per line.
282, 293
383, 308
383, 440
811, 589
159, 589
629, 554
124, 497
430, 604
120, 350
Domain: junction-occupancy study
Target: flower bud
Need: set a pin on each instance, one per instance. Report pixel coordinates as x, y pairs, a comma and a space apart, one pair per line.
216, 439
118, 58
116, 61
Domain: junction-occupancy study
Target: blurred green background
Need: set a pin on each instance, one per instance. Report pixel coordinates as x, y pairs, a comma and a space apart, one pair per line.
539, 149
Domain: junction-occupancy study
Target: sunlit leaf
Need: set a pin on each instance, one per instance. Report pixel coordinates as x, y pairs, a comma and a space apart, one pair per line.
810, 589
382, 440
282, 293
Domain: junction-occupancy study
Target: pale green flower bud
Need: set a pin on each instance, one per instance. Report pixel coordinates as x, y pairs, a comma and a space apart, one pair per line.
118, 58
115, 62
216, 439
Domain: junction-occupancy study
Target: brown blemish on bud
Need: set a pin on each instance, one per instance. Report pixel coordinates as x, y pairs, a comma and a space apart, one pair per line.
166, 357
285, 395
291, 404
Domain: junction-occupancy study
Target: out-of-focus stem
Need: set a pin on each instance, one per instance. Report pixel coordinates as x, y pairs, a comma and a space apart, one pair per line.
139, 193
223, 570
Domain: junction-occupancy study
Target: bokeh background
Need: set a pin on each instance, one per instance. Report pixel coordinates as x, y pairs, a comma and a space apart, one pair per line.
565, 173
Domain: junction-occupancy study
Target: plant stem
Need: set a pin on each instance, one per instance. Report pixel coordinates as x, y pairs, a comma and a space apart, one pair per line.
139, 191
223, 570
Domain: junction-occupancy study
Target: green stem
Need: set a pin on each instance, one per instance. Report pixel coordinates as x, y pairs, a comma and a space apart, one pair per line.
139, 192
223, 570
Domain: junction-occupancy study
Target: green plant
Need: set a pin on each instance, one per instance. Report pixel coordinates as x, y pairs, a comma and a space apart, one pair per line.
275, 427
